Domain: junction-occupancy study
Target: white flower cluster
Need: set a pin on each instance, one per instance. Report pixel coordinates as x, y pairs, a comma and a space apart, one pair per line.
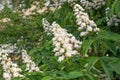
30, 65
4, 20
113, 21
6, 2
47, 27
94, 4
30, 11
10, 69
34, 9
65, 44
57, 3
86, 25
8, 48
106, 13
72, 2
9, 4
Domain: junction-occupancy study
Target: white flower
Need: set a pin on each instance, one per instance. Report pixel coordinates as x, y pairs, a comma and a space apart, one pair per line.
61, 58
69, 48
7, 76
37, 69
83, 33
68, 54
76, 46
62, 50
80, 28
16, 74
10, 69
94, 4
46, 26
96, 29
89, 28
57, 3
1, 7
65, 44
30, 65
85, 24
113, 21
47, 3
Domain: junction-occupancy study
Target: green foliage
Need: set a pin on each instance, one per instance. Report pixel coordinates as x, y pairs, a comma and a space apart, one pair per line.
111, 64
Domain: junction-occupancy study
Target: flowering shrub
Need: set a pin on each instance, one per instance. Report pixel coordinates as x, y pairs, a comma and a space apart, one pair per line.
59, 40
83, 21
65, 44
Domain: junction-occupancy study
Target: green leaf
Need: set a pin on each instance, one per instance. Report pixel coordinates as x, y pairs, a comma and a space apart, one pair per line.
20, 78
110, 64
105, 35
74, 74
108, 45
115, 64
104, 49
108, 3
90, 77
117, 7
86, 45
96, 46
91, 63
35, 73
107, 68
46, 78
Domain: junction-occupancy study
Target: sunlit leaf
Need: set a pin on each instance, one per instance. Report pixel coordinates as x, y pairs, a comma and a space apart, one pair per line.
74, 74
47, 78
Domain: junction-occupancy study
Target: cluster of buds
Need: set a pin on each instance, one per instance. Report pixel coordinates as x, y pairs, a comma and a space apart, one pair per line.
4, 20
94, 4
72, 2
6, 2
8, 48
30, 65
57, 3
46, 26
10, 69
113, 21
86, 25
31, 10
9, 4
35, 9
65, 44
